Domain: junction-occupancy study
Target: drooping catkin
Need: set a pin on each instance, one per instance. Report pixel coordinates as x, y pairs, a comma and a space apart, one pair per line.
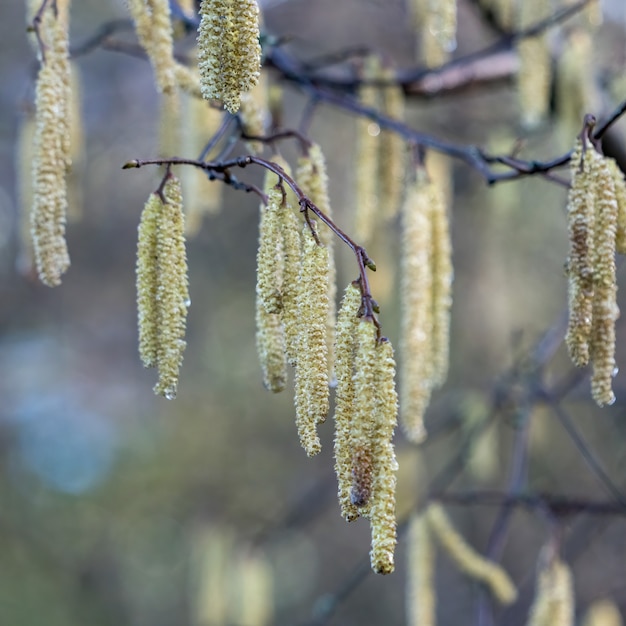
534, 79
153, 26
554, 597
603, 613
604, 308
382, 506
270, 256
292, 244
420, 591
75, 136
172, 293
229, 52
311, 385
345, 347
580, 219
51, 149
147, 305
270, 268
361, 431
313, 180
469, 561
416, 346
442, 276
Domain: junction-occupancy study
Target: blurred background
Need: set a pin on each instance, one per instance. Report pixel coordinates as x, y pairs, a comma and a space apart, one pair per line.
119, 507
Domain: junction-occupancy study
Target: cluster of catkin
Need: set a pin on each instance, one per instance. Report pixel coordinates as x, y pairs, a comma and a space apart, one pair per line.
596, 211
296, 325
51, 157
162, 285
426, 299
426, 527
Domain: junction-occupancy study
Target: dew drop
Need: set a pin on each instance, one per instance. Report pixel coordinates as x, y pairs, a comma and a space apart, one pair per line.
615, 372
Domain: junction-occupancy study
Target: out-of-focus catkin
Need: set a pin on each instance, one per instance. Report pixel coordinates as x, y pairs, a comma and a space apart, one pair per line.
51, 149
535, 73
172, 293
554, 596
229, 52
24, 152
392, 149
603, 613
620, 195
467, 559
153, 25
420, 591
604, 307
366, 191
435, 22
311, 385
254, 113
416, 309
345, 347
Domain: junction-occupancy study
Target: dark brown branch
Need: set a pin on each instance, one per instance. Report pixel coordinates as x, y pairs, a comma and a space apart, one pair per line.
221, 170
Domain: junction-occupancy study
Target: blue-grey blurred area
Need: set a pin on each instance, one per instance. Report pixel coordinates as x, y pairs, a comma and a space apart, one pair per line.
120, 508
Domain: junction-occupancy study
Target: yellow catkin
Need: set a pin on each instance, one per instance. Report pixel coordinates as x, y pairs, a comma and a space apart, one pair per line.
252, 585
535, 74
172, 289
367, 159
604, 308
416, 347
382, 506
554, 596
51, 150
292, 243
202, 196
313, 180
311, 385
147, 308
580, 219
345, 346
153, 26
469, 561
420, 592
270, 256
620, 194
442, 275
361, 431
603, 613
392, 149
229, 52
